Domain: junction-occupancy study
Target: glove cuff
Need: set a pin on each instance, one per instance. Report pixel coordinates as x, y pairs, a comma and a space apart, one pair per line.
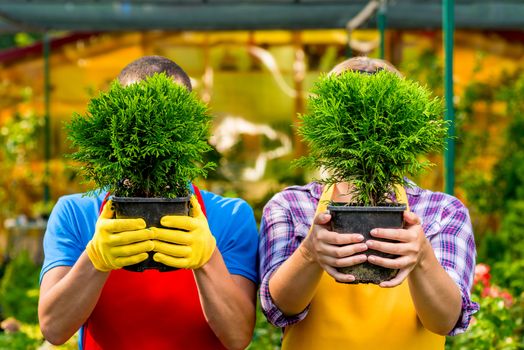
211, 249
96, 260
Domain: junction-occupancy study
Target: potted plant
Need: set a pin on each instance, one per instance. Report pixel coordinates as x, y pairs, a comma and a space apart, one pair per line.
144, 143
369, 130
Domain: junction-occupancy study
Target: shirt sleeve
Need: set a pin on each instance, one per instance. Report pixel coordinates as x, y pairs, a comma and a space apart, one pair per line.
66, 234
454, 247
233, 224
279, 238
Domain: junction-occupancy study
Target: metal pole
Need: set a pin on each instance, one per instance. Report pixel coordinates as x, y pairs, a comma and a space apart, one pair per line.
449, 154
299, 74
381, 21
47, 126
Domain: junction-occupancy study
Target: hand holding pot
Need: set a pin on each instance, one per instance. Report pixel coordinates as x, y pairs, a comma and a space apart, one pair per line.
187, 243
118, 242
410, 248
332, 250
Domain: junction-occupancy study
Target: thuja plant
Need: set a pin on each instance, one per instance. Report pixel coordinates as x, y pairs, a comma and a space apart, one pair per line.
143, 140
370, 130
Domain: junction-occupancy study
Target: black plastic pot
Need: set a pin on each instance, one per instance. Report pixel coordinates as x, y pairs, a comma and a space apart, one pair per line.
355, 219
151, 210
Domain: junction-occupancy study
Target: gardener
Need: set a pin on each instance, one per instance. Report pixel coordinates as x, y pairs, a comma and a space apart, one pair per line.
208, 304
299, 256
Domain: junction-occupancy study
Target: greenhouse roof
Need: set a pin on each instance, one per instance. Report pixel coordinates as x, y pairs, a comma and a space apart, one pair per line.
98, 15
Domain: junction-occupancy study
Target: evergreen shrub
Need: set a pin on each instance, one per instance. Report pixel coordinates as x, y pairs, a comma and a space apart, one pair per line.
370, 130
143, 140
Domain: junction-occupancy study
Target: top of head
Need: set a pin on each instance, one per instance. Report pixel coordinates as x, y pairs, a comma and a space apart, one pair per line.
363, 64
146, 66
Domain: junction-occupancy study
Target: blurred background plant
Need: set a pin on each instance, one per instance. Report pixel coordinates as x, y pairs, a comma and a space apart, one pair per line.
499, 325
21, 144
490, 179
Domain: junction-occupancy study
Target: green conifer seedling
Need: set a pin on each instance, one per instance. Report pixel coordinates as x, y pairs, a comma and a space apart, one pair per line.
370, 130
143, 140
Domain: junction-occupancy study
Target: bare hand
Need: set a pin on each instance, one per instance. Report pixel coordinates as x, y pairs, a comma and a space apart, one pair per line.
410, 248
331, 249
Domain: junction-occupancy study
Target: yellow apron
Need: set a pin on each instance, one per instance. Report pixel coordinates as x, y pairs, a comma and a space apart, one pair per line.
360, 317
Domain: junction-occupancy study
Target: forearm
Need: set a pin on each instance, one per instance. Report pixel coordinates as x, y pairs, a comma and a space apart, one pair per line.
228, 302
293, 285
436, 296
67, 300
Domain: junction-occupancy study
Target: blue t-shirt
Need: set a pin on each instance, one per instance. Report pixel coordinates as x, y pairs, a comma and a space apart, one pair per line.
231, 221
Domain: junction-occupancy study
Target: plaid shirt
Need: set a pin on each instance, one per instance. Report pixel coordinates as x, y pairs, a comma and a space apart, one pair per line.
289, 214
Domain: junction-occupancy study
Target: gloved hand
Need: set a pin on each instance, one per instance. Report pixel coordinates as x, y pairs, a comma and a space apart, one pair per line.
185, 250
118, 242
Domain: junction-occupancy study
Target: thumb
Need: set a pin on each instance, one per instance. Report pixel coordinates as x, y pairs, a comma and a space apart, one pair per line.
322, 218
107, 211
411, 218
196, 209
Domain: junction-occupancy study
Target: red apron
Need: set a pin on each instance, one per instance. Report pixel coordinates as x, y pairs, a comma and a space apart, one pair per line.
149, 310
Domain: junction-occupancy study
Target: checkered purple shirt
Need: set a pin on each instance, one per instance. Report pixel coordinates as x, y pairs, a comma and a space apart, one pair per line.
288, 216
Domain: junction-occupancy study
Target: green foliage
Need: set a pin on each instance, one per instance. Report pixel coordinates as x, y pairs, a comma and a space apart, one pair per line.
369, 130
266, 336
20, 136
499, 324
495, 328
19, 289
509, 274
143, 140
508, 179
500, 193
489, 192
18, 341
29, 337
427, 68
505, 249
18, 39
20, 140
500, 321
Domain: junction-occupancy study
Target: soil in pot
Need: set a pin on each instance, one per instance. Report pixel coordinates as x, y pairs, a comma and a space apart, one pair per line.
151, 210
356, 219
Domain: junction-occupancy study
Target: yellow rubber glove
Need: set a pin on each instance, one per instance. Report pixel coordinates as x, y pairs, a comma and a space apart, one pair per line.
118, 242
181, 249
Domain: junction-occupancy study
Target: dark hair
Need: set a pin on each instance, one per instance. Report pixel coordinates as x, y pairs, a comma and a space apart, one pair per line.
148, 65
364, 64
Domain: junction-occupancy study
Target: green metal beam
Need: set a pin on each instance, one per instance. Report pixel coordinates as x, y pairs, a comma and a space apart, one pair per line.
447, 37
246, 15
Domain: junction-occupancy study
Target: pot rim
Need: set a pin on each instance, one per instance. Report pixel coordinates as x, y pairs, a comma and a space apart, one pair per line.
392, 207
150, 199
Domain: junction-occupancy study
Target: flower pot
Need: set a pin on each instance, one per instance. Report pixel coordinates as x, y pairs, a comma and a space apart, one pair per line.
151, 210
356, 219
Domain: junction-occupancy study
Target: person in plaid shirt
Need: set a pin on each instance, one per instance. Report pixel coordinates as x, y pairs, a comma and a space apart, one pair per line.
428, 299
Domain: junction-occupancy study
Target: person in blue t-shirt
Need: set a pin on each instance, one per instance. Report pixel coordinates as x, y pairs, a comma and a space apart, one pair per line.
207, 303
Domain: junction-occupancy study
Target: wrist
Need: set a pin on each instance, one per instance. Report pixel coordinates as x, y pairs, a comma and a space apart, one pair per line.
95, 259
209, 265
306, 252
425, 258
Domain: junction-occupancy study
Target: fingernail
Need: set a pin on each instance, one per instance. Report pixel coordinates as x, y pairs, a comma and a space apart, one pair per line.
370, 243
373, 232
